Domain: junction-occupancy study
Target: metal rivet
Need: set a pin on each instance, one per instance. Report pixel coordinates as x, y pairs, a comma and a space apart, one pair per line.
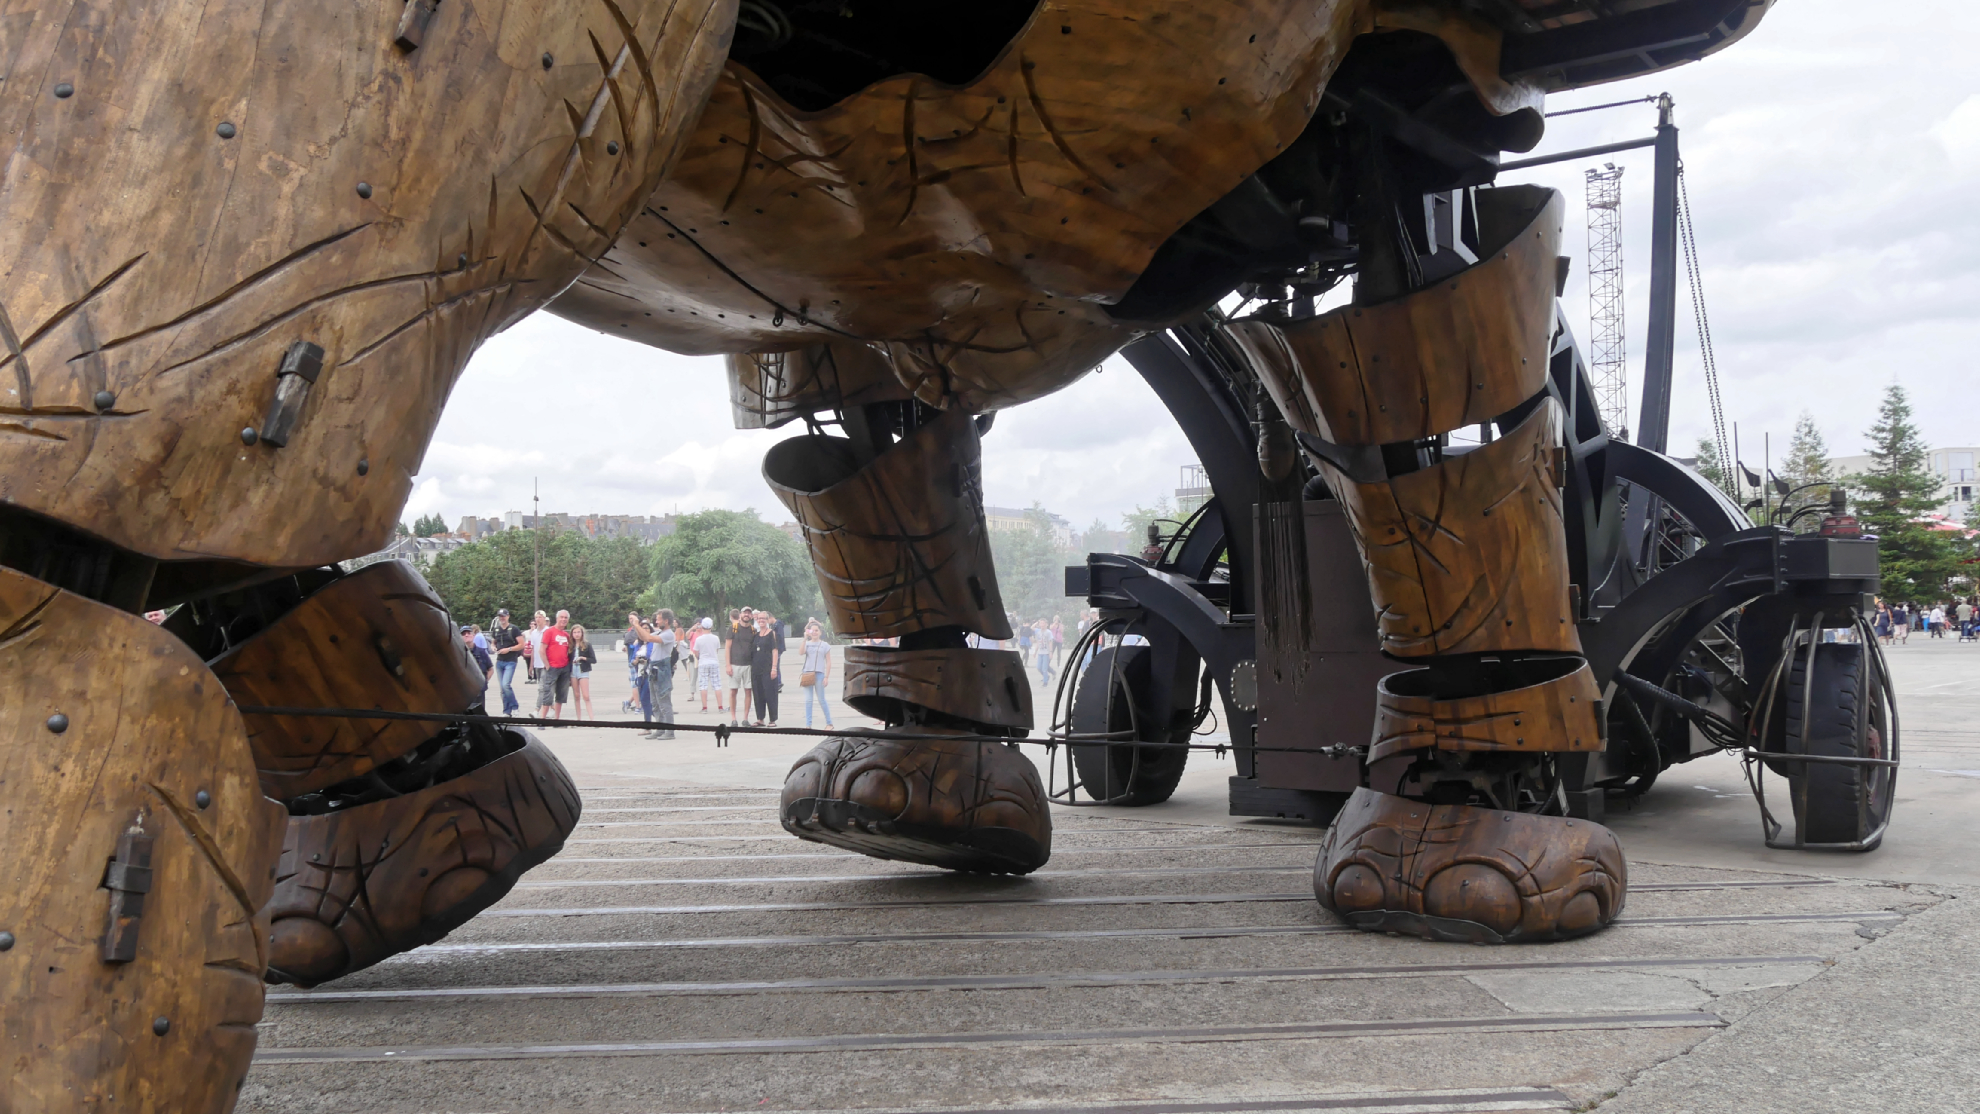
612, 148
225, 130
6, 941
104, 400
364, 189
249, 436
202, 798
161, 1025
461, 260
548, 61
58, 723
364, 467
65, 90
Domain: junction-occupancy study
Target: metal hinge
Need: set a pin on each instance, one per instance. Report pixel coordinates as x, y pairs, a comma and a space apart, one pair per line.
412, 24
128, 878
301, 364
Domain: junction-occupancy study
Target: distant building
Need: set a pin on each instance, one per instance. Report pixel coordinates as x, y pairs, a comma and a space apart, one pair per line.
646, 528
1193, 491
420, 551
793, 529
1955, 466
1007, 518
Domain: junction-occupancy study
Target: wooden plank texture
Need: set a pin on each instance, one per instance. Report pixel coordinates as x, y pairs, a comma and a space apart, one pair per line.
378, 638
969, 232
149, 747
188, 187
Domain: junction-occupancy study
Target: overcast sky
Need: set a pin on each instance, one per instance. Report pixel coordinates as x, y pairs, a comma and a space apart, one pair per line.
1833, 163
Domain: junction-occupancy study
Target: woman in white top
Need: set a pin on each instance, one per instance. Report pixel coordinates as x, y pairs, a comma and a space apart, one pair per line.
708, 664
817, 670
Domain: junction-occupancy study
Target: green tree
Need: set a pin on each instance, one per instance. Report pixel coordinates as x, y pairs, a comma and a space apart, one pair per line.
1031, 568
1708, 466
1136, 522
596, 581
1891, 499
715, 560
427, 525
1807, 463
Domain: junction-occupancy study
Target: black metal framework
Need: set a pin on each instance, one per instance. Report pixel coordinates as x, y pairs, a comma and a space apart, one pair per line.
1688, 612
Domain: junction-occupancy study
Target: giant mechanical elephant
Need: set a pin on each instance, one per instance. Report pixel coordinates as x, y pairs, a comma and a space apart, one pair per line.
246, 247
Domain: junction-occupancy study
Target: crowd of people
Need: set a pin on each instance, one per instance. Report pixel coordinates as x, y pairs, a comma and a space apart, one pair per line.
554, 654
739, 664
1958, 615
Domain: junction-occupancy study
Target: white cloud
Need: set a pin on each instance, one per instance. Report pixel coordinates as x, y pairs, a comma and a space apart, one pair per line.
1959, 134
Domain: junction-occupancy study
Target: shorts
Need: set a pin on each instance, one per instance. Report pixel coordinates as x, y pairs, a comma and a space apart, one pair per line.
579, 673
739, 677
708, 676
553, 686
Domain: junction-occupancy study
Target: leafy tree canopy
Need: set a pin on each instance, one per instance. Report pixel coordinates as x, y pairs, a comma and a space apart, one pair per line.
597, 581
1892, 497
427, 525
715, 560
1807, 463
1708, 465
1031, 569
1136, 521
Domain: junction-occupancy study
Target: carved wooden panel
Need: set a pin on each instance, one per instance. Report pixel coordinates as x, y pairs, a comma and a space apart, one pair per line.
1462, 873
378, 638
987, 687
1469, 554
1560, 710
145, 976
191, 187
1457, 353
371, 881
899, 543
767, 389
970, 232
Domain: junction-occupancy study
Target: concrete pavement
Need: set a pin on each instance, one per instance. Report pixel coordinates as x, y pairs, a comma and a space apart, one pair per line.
683, 954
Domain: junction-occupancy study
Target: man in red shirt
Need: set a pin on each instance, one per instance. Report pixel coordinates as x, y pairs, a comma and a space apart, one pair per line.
556, 683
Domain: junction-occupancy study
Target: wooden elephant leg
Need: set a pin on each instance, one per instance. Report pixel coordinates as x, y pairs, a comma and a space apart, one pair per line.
897, 536
399, 830
140, 854
1467, 563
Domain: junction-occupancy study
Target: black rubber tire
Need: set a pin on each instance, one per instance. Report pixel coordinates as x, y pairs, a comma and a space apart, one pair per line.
1113, 771
1842, 803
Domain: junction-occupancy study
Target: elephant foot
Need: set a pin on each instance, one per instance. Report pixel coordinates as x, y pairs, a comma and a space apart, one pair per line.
1466, 874
364, 882
961, 805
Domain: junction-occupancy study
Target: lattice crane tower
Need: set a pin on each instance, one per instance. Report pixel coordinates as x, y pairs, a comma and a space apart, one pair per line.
1608, 351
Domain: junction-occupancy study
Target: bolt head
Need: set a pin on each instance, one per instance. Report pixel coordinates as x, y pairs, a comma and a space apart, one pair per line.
225, 130
202, 798
6, 941
612, 148
104, 400
58, 723
249, 436
364, 190
548, 60
65, 90
364, 467
161, 1025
